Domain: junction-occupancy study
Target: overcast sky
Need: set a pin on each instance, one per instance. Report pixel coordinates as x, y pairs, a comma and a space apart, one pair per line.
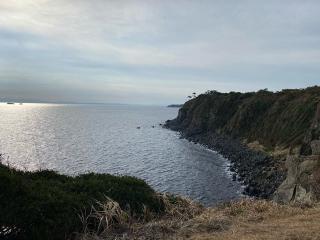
155, 52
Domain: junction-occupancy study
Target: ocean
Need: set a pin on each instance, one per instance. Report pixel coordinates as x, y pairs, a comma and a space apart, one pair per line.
117, 139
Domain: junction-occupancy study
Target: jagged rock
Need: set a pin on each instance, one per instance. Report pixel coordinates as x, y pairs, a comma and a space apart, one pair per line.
315, 146
297, 187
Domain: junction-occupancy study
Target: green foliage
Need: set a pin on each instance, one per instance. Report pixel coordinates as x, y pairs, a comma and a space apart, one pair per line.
45, 204
274, 119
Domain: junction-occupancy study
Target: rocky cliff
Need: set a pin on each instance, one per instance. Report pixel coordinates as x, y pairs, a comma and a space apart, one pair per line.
272, 139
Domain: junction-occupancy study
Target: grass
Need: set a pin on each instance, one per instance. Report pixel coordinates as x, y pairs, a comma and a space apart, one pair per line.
176, 210
47, 205
243, 219
252, 219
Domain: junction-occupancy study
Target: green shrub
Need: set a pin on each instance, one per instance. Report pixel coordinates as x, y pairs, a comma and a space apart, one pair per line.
45, 204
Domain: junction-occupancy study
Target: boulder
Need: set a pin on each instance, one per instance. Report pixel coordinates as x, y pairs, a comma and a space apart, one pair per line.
297, 185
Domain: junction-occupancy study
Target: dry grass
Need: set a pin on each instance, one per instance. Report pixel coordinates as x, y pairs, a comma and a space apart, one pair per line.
254, 219
109, 221
107, 217
244, 219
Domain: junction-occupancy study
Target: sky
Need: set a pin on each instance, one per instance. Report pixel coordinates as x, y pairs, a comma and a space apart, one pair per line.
154, 52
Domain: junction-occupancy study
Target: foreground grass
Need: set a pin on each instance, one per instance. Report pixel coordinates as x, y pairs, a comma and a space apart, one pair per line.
47, 205
244, 219
251, 219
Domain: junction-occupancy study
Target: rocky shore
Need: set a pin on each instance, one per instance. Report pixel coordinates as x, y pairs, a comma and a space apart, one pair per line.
256, 170
272, 139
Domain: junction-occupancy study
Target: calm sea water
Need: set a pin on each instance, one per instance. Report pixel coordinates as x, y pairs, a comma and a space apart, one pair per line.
74, 139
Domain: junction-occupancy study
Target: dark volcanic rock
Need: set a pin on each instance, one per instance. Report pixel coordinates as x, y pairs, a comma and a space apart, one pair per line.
279, 122
256, 169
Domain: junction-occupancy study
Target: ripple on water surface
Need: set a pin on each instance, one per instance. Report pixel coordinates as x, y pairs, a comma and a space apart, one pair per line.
75, 139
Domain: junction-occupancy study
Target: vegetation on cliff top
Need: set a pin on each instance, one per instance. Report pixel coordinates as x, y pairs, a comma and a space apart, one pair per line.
272, 125
47, 205
274, 119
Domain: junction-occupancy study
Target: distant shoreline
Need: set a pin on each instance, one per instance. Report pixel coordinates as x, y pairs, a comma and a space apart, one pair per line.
175, 105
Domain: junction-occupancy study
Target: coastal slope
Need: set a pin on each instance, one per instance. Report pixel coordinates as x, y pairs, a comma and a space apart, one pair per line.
266, 135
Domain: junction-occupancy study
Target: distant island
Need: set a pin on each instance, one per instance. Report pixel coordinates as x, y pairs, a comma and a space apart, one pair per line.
175, 105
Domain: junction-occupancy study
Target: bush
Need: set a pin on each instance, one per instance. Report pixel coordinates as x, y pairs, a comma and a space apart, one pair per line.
46, 205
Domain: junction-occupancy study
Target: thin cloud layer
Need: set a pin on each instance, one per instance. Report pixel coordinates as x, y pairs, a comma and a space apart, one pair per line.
154, 52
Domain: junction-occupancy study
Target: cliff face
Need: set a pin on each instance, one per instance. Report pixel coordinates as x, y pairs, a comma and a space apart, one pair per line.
279, 124
303, 163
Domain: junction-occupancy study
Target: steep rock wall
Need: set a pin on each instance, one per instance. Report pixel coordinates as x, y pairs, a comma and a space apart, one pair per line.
285, 122
302, 183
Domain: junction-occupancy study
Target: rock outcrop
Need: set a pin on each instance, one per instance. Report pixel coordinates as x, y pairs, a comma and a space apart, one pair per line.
264, 134
303, 176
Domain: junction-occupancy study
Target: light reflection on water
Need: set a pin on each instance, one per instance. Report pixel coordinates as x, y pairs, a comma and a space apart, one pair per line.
75, 139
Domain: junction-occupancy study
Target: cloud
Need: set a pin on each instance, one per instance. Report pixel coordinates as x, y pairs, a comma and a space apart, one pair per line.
166, 48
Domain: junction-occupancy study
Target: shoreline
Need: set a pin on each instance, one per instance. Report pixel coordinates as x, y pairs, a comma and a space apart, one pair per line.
256, 171
226, 167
